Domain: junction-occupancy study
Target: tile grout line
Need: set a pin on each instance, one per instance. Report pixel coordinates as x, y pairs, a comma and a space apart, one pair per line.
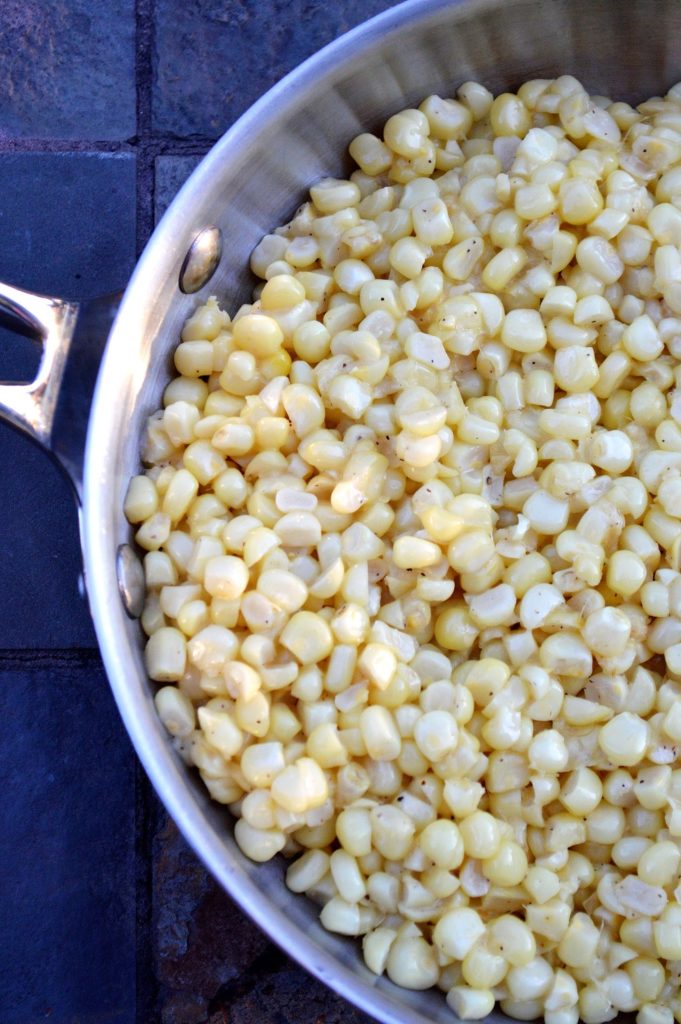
144, 49
158, 145
13, 658
147, 993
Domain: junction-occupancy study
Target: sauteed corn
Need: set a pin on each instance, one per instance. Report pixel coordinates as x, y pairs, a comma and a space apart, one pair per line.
412, 523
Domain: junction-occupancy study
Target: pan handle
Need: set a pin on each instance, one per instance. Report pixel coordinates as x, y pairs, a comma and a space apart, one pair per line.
31, 407
54, 409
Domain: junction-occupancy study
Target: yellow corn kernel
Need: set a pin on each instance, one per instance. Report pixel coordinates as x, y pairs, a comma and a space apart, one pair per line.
308, 637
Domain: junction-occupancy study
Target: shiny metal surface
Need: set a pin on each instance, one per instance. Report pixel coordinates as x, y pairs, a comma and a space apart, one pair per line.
54, 409
251, 181
201, 260
130, 576
79, 375
31, 407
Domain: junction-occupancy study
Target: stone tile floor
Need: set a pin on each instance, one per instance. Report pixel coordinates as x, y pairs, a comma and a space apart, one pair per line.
106, 917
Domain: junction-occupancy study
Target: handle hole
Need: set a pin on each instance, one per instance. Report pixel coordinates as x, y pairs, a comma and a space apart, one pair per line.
20, 351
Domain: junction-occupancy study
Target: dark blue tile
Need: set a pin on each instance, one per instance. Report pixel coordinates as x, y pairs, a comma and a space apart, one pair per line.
68, 69
67, 222
68, 228
170, 173
40, 557
67, 847
215, 57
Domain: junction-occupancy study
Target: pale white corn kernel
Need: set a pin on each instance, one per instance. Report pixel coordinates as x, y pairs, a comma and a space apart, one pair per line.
523, 331
664, 223
159, 570
623, 739
194, 358
258, 810
580, 201
672, 657
457, 931
548, 752
575, 369
508, 866
449, 119
569, 426
566, 654
173, 598
380, 733
503, 267
259, 845
436, 734
412, 963
494, 607
379, 663
599, 257
542, 884
405, 133
512, 939
559, 301
408, 255
647, 976
470, 1003
392, 832
353, 828
626, 573
462, 258
307, 871
175, 711
538, 386
655, 1013
537, 604
284, 588
532, 202
659, 864
432, 225
607, 631
262, 762
331, 195
578, 946
376, 947
546, 514
415, 553
253, 714
671, 723
226, 577
179, 495
347, 876
641, 339
141, 500
480, 834
441, 843
211, 648
165, 655
220, 729
482, 969
307, 637
300, 787
582, 792
372, 155
154, 531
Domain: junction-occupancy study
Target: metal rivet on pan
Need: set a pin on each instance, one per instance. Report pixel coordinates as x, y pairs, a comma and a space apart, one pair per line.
201, 260
130, 575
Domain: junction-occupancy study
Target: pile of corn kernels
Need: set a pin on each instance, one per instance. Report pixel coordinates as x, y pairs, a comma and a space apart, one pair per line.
412, 524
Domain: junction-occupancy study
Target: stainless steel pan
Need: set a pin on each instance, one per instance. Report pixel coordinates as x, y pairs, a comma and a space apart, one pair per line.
251, 181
